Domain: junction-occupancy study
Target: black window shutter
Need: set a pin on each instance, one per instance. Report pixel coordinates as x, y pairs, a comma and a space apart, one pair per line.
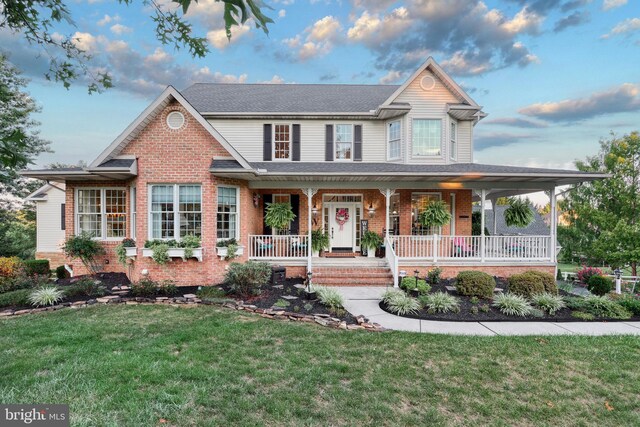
295, 207
296, 143
328, 148
63, 217
266, 198
357, 143
266, 146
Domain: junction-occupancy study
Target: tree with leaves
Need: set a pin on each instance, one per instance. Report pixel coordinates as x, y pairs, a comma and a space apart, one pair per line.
19, 139
604, 216
40, 23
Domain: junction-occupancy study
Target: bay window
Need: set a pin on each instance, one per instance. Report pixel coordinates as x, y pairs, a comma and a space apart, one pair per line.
175, 211
426, 137
227, 215
101, 212
393, 140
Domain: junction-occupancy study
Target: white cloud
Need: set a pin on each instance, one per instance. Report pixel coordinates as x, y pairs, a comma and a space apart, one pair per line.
120, 29
391, 77
282, 13
107, 19
626, 26
86, 42
325, 29
159, 56
372, 29
625, 97
218, 38
612, 4
276, 80
320, 39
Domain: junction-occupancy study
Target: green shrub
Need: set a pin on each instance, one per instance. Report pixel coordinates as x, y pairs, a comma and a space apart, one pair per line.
630, 303
512, 304
61, 272
599, 285
582, 315
485, 308
433, 276
121, 254
22, 281
36, 266
167, 288
526, 284
440, 302
549, 302
84, 247
599, 306
409, 284
16, 298
282, 303
329, 297
402, 304
47, 295
245, 279
548, 281
559, 275
206, 292
160, 254
144, 288
85, 287
475, 283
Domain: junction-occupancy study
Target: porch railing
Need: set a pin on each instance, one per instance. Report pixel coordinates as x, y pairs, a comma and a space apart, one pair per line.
496, 248
392, 259
278, 247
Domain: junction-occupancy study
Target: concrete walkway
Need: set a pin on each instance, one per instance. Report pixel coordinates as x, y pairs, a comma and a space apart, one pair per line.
364, 301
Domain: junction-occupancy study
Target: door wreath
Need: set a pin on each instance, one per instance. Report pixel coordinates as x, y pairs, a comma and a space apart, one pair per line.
342, 216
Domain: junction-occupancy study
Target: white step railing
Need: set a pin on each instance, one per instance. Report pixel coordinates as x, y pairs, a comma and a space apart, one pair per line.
392, 259
278, 247
496, 248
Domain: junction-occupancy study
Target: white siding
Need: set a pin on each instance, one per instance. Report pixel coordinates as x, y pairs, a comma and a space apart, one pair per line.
49, 233
246, 136
465, 135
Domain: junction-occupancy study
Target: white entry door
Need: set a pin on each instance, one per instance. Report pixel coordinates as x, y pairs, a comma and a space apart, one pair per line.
341, 225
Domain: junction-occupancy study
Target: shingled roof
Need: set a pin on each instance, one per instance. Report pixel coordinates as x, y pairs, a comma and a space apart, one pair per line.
286, 98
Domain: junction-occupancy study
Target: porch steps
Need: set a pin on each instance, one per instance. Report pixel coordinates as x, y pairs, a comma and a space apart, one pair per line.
352, 276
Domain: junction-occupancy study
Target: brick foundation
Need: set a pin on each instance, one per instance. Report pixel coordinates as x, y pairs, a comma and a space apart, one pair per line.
450, 271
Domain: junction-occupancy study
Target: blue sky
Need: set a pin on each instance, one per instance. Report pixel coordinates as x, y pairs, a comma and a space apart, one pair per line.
555, 76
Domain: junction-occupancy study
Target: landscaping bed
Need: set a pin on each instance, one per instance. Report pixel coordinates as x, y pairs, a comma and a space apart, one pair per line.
465, 308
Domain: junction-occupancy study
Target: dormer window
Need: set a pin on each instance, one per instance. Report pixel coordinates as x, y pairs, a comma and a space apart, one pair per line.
344, 142
426, 137
282, 142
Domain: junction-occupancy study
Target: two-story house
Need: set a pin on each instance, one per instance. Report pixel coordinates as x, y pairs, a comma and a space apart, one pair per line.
348, 158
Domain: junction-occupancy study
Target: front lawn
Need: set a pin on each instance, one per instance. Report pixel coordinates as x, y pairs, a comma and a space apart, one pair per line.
205, 365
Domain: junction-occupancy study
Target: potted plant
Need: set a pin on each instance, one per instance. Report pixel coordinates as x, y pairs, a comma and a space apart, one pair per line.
125, 250
518, 214
279, 215
435, 214
229, 249
163, 250
371, 241
319, 242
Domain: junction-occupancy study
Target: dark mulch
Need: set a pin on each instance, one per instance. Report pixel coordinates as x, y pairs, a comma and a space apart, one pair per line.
494, 314
109, 280
270, 295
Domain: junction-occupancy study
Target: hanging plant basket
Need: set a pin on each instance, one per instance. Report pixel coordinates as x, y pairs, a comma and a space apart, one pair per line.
436, 214
518, 214
279, 215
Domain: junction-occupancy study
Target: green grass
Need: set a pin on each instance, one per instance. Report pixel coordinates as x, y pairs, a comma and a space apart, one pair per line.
574, 267
136, 365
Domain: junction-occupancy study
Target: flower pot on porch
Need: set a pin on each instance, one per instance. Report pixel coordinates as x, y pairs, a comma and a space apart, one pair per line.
371, 253
315, 254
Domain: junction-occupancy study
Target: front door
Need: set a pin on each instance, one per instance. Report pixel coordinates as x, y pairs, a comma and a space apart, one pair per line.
341, 221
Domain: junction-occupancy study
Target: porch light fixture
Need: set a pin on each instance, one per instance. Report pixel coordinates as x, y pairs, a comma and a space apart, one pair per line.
314, 210
372, 210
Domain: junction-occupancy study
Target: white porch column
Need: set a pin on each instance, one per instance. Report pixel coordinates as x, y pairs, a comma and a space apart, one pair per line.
553, 228
494, 202
309, 192
387, 193
483, 199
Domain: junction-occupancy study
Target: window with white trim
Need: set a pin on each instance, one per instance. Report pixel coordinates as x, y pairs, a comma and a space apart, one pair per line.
343, 141
426, 137
453, 138
393, 139
419, 202
228, 213
101, 212
175, 211
282, 142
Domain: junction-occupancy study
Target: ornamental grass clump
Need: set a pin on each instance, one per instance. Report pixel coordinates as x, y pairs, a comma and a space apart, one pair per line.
440, 302
47, 295
512, 305
329, 297
400, 303
548, 302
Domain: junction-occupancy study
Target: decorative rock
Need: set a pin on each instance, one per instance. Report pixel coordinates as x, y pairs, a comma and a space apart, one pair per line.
450, 288
299, 286
354, 327
161, 298
322, 315
343, 325
321, 322
189, 296
132, 302
108, 299
19, 312
6, 313
278, 286
289, 297
78, 303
